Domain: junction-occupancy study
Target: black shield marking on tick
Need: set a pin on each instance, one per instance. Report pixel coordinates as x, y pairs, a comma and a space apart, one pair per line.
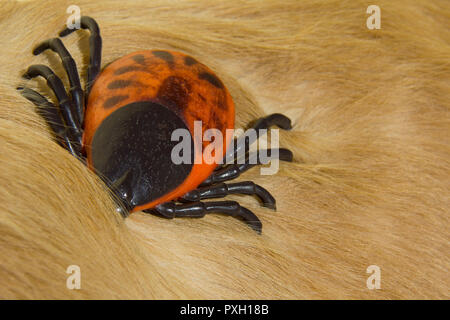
133, 146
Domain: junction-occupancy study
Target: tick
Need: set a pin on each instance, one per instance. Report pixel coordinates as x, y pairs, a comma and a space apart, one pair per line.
121, 125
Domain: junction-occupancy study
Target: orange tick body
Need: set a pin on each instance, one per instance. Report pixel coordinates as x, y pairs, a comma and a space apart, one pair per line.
175, 80
122, 125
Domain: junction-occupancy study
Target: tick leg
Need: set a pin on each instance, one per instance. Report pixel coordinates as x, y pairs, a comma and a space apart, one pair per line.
244, 142
221, 190
70, 66
232, 171
95, 49
199, 209
52, 116
65, 104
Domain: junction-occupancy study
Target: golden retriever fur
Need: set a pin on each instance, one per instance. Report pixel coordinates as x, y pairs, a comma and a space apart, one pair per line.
369, 184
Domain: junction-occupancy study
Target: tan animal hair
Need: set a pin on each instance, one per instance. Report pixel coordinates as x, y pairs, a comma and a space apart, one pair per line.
369, 185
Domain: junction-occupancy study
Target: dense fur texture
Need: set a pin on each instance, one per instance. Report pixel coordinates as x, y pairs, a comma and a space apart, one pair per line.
369, 185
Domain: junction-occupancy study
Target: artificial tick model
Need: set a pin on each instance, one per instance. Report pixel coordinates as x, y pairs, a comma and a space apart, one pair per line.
124, 134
